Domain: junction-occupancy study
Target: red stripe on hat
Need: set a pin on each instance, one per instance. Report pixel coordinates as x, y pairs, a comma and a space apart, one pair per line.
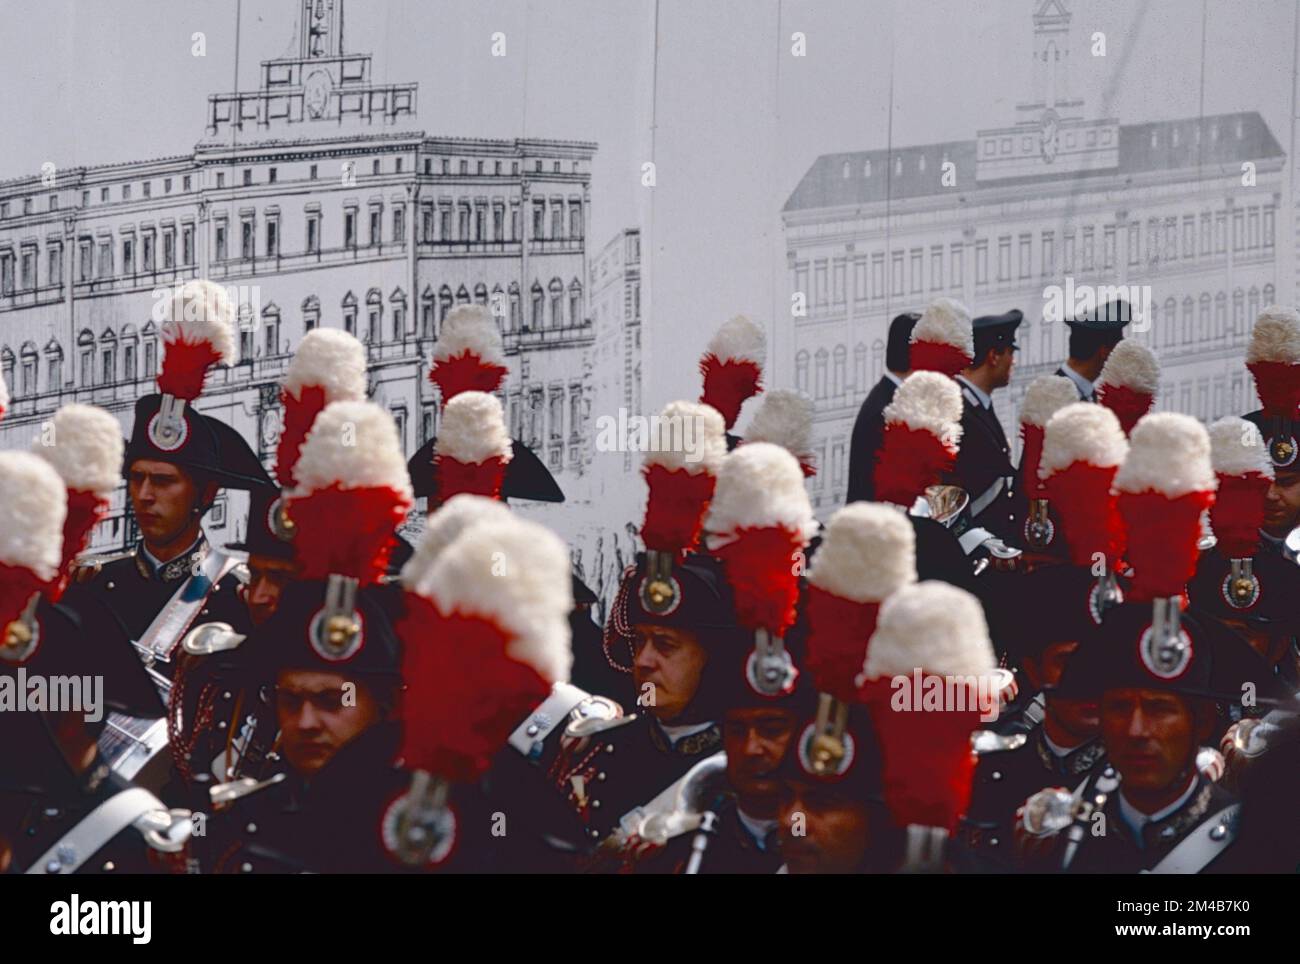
1238, 513
1128, 404
728, 383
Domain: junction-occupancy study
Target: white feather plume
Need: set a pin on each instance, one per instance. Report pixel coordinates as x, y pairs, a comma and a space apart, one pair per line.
784, 418
330, 359
1045, 396
930, 626
85, 447
930, 402
1131, 365
867, 552
690, 436
201, 311
33, 506
1082, 432
354, 444
760, 485
444, 526
946, 321
1237, 448
1275, 337
739, 339
472, 329
473, 429
1168, 453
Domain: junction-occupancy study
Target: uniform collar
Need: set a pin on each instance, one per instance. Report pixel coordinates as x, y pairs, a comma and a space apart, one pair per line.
974, 394
174, 570
759, 830
1085, 387
893, 378
1072, 762
694, 740
1139, 822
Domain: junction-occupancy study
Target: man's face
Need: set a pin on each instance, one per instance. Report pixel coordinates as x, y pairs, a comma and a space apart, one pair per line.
314, 720
268, 577
670, 661
756, 740
1003, 361
163, 498
1078, 718
1282, 502
822, 830
1150, 736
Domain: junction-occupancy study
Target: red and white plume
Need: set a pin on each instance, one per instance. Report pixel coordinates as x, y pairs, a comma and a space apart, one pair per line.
1273, 358
785, 418
329, 366
732, 367
929, 629
444, 526
33, 505
758, 524
84, 444
1128, 382
680, 476
1245, 472
473, 447
198, 332
943, 340
353, 491
468, 356
1164, 485
487, 635
1045, 396
922, 433
867, 553
1083, 447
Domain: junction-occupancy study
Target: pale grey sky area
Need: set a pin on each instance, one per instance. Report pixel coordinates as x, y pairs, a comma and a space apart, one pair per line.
737, 118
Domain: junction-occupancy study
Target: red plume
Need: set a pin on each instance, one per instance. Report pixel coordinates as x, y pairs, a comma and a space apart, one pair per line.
838, 632
85, 510
727, 384
910, 461
1031, 449
1278, 386
933, 356
465, 372
476, 478
1085, 506
1238, 513
1162, 540
1128, 404
346, 531
675, 507
763, 567
184, 365
299, 415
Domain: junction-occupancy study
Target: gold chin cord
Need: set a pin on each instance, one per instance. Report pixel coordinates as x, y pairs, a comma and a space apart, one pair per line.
22, 635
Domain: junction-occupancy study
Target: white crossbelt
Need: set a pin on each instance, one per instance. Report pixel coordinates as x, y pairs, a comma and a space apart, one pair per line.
167, 628
542, 721
89, 836
987, 498
1201, 846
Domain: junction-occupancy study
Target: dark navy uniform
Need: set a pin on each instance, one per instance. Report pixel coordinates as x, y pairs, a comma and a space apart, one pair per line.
864, 443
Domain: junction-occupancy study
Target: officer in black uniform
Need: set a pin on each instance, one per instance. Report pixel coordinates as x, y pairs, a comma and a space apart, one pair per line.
984, 468
1041, 618
1156, 694
864, 444
1092, 338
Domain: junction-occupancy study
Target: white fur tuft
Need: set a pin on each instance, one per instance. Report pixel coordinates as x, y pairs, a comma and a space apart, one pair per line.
1237, 448
701, 448
444, 526
1082, 432
85, 448
930, 402
1131, 365
946, 321
330, 359
201, 311
473, 429
33, 505
472, 329
517, 574
1045, 396
1275, 337
760, 485
739, 339
354, 444
784, 418
867, 552
930, 626
1168, 453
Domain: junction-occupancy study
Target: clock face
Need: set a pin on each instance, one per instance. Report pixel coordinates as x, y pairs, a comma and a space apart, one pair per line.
1048, 129
316, 93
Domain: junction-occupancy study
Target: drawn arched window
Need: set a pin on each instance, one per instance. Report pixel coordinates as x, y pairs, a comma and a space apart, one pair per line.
877, 361
31, 370
149, 339
557, 302
538, 306
819, 373
462, 295
1220, 316
1238, 312
1188, 319
247, 328
271, 327
310, 313
444, 304
428, 305
107, 358
1268, 295
481, 294
130, 353
497, 302
398, 301
7, 367
1203, 328
847, 170
350, 313
374, 315
1171, 320
54, 366
801, 370
1252, 304
85, 357
866, 168
838, 370
575, 302
515, 308
860, 368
